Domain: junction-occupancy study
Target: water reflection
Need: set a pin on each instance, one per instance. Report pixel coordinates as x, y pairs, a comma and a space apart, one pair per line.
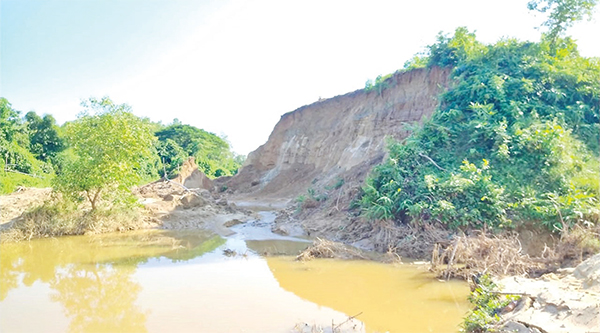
182, 282
389, 298
276, 247
99, 298
91, 277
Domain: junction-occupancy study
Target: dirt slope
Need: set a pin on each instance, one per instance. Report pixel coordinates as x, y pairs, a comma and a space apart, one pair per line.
338, 137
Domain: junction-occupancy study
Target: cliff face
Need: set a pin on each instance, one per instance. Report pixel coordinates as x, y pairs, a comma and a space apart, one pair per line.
338, 137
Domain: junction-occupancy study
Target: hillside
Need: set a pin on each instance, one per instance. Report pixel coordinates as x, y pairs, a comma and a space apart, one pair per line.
512, 144
338, 138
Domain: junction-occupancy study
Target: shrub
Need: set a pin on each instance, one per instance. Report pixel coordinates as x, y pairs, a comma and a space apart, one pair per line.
515, 138
487, 304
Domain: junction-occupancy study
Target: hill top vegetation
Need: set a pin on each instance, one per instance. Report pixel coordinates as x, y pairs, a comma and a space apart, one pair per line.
35, 150
514, 140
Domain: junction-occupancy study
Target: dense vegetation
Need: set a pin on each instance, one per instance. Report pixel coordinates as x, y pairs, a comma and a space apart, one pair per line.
515, 139
28, 148
212, 153
34, 150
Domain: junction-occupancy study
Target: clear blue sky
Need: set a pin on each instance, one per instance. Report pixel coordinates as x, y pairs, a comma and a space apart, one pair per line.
230, 67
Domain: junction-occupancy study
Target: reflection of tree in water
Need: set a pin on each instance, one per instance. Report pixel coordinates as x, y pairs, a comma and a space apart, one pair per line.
91, 275
9, 269
99, 298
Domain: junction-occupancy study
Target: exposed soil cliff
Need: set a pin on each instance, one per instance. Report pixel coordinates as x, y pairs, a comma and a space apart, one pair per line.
338, 137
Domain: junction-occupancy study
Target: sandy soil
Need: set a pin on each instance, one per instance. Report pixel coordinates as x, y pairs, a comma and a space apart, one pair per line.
170, 206
167, 206
566, 301
13, 205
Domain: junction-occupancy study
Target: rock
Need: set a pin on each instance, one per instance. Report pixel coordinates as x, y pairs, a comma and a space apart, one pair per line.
192, 201
222, 202
288, 230
190, 177
231, 223
325, 139
205, 194
589, 272
168, 197
513, 326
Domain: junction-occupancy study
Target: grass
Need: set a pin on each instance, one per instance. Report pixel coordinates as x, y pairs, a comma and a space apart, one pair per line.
10, 181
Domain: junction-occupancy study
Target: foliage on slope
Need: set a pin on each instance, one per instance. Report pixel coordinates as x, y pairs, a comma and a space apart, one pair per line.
213, 154
514, 139
28, 148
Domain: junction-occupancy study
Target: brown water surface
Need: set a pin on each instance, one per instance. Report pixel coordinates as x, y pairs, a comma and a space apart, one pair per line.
183, 282
389, 298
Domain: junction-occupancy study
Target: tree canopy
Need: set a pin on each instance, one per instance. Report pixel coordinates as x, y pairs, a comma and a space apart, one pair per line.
18, 164
44, 139
212, 153
109, 145
34, 148
562, 13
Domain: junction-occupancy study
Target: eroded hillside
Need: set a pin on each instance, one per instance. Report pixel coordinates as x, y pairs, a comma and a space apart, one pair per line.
338, 138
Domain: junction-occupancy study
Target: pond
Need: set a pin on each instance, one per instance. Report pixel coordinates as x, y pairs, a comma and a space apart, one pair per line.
195, 281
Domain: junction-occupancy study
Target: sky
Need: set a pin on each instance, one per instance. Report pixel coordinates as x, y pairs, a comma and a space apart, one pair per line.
230, 67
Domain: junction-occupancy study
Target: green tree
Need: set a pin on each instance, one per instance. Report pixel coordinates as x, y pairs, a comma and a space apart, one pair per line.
562, 13
14, 142
448, 51
44, 139
171, 155
213, 153
10, 123
110, 147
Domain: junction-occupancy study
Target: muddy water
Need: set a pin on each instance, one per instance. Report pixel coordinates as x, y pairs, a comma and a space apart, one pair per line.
188, 282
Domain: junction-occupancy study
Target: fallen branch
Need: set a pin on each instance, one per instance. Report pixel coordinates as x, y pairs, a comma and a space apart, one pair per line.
347, 320
337, 202
467, 255
322, 248
532, 325
516, 294
451, 261
432, 161
185, 188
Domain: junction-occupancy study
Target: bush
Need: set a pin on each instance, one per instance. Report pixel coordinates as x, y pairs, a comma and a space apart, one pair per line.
488, 303
515, 139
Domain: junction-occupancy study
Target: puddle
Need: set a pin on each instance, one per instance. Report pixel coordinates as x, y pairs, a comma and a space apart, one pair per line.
157, 281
